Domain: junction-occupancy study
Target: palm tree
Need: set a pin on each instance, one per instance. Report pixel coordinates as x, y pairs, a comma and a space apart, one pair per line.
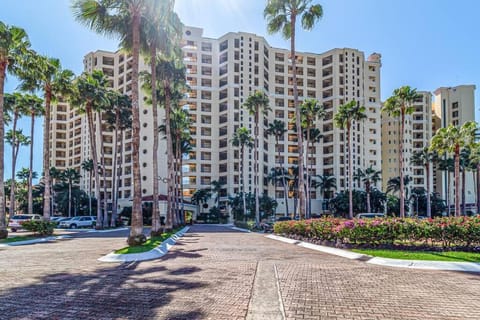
400, 104
311, 110
465, 165
200, 196
46, 74
368, 176
424, 159
347, 113
70, 177
241, 138
278, 130
256, 103
90, 95
54, 174
122, 18
475, 160
216, 189
279, 174
13, 44
36, 110
282, 17
87, 166
326, 183
15, 139
450, 140
447, 165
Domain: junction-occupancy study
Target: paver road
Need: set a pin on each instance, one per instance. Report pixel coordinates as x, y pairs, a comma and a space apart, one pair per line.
216, 273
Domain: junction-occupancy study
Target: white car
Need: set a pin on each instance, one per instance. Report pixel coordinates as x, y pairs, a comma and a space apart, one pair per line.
78, 222
15, 222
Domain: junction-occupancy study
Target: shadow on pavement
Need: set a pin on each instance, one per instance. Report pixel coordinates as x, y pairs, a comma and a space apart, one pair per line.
126, 291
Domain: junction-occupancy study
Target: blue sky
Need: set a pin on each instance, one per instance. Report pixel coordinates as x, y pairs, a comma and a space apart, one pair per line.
424, 43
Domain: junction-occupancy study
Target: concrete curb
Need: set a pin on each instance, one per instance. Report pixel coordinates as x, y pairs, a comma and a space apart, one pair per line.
239, 229
396, 263
109, 230
33, 241
156, 253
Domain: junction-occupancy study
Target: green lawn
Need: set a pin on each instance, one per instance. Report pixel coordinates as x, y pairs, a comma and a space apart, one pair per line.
18, 238
148, 245
452, 256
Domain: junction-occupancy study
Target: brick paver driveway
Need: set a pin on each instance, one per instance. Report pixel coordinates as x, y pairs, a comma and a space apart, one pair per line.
213, 273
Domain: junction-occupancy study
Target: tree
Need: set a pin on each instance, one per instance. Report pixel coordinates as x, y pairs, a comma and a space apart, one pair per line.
13, 44
15, 139
279, 175
199, 197
281, 16
278, 130
216, 189
256, 103
368, 176
311, 110
122, 18
475, 161
450, 140
424, 159
347, 113
70, 177
241, 138
447, 165
326, 183
90, 95
46, 74
87, 166
400, 104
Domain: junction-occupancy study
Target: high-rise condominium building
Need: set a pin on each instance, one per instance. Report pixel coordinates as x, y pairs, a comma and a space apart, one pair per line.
454, 105
417, 135
221, 74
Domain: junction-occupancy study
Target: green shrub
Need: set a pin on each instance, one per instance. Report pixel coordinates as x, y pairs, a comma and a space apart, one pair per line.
249, 225
40, 227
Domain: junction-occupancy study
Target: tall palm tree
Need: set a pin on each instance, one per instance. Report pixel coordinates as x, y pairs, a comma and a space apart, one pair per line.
475, 160
87, 166
241, 138
13, 44
15, 139
15, 104
450, 140
70, 176
368, 176
122, 18
46, 74
256, 103
425, 158
326, 183
278, 130
281, 16
36, 110
447, 164
465, 165
216, 189
311, 110
200, 196
91, 93
400, 104
346, 113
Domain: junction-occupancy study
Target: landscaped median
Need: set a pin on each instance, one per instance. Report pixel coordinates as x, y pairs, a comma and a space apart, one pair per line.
447, 240
152, 249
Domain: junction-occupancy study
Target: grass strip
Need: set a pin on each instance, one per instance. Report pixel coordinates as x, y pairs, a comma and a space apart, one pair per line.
452, 256
18, 238
150, 244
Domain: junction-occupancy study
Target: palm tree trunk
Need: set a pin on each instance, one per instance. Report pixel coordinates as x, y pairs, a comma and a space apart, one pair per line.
429, 205
14, 160
242, 175
350, 175
284, 185
120, 162
400, 163
307, 175
3, 220
155, 209
255, 172
90, 179
182, 208
457, 180
301, 180
171, 179
478, 187
104, 172
46, 155
93, 150
114, 170
367, 189
69, 198
30, 175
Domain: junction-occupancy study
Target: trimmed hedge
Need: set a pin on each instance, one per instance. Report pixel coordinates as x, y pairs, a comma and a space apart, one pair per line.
40, 227
439, 232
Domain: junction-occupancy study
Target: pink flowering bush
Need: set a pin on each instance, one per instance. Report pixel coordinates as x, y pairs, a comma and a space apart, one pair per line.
438, 232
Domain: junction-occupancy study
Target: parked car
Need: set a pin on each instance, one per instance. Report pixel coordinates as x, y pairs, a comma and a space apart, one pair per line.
284, 219
78, 222
369, 215
15, 222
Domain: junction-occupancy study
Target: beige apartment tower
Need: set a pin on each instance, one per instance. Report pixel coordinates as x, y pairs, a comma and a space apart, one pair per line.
221, 74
